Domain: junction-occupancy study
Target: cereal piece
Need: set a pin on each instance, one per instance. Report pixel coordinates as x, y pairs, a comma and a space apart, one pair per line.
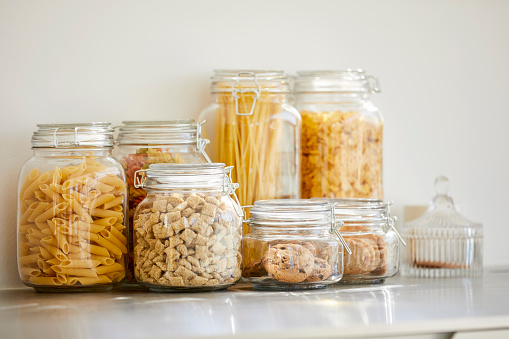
187, 212
162, 265
159, 205
200, 240
182, 249
208, 220
211, 269
231, 262
198, 281
194, 261
185, 273
211, 240
201, 252
322, 271
199, 227
207, 275
209, 209
221, 265
217, 276
174, 241
175, 200
167, 275
172, 253
159, 246
217, 248
180, 207
176, 281
161, 231
163, 281
212, 200
193, 219
170, 217
254, 269
179, 225
186, 264
172, 265
153, 218
290, 263
155, 272
188, 237
159, 258
195, 201
204, 262
212, 282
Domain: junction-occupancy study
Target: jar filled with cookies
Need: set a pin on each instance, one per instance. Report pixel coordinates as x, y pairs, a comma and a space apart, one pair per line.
342, 134
368, 229
187, 231
72, 199
294, 245
142, 143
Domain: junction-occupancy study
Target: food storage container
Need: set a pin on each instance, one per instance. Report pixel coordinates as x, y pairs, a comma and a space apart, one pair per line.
142, 143
369, 231
255, 129
72, 232
341, 134
187, 230
441, 242
293, 245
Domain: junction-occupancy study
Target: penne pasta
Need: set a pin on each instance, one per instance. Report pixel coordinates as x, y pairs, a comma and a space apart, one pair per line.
29, 272
108, 269
112, 239
78, 272
45, 281
108, 245
102, 279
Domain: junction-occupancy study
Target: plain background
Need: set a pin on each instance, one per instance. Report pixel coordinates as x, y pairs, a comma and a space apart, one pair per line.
443, 66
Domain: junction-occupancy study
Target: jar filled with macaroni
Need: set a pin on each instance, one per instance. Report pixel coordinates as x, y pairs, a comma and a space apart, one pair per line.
142, 143
72, 199
341, 134
187, 230
255, 129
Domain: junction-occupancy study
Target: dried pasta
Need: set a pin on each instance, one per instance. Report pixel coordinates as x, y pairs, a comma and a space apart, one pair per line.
71, 223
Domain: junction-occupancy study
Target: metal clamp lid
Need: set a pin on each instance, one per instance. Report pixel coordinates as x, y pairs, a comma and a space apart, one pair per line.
256, 91
335, 225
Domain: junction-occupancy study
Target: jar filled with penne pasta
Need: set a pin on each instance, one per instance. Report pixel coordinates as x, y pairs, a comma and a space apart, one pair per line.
72, 233
255, 129
142, 143
341, 134
187, 231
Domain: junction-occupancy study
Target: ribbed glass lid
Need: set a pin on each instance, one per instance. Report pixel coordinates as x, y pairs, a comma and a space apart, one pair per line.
291, 212
352, 211
263, 80
347, 81
73, 135
158, 132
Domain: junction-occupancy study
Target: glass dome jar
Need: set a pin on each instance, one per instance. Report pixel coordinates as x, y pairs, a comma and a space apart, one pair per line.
142, 143
441, 242
255, 129
187, 230
369, 231
294, 244
72, 232
342, 134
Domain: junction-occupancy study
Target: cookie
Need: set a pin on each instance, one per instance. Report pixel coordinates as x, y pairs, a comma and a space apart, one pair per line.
306, 244
382, 249
254, 269
321, 271
365, 256
289, 263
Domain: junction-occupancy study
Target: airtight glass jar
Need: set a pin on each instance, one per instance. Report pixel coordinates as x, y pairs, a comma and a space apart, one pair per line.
72, 232
341, 134
255, 129
187, 231
142, 143
369, 231
293, 245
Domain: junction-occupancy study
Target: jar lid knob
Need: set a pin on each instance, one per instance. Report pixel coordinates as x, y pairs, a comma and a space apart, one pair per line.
442, 185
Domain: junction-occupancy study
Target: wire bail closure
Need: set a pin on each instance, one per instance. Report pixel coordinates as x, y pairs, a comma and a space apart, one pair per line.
391, 222
256, 91
139, 179
201, 143
335, 225
229, 189
76, 143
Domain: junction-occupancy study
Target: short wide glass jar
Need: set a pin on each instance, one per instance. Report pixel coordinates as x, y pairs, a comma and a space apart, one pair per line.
187, 231
341, 135
293, 245
369, 231
72, 233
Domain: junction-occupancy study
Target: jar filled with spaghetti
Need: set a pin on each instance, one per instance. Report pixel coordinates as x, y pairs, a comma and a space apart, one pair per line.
256, 130
142, 143
72, 200
341, 135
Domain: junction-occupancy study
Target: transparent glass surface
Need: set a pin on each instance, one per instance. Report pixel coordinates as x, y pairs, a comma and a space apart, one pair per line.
441, 242
72, 231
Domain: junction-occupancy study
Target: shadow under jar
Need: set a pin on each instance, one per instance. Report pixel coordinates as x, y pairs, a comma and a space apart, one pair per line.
369, 231
72, 233
293, 245
187, 231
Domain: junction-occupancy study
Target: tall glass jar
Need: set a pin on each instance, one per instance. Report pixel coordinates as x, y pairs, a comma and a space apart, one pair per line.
142, 143
256, 130
341, 134
294, 244
72, 233
187, 231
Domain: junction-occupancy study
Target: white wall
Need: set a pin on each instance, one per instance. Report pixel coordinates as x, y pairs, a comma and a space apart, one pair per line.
443, 67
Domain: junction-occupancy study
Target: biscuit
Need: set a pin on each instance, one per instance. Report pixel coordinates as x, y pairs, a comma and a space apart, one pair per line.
306, 244
365, 256
322, 271
290, 263
254, 269
382, 249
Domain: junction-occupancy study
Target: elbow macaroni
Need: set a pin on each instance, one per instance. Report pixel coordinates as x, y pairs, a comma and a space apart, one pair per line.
70, 224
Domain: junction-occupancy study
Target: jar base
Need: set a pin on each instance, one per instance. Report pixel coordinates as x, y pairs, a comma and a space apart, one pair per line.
361, 281
287, 287
183, 289
70, 289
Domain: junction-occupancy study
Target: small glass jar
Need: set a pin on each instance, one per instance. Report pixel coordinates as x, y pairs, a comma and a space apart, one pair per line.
341, 135
369, 231
442, 242
187, 231
293, 245
142, 143
72, 233
255, 129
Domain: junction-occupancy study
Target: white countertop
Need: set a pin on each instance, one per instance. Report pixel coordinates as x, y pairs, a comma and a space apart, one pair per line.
401, 306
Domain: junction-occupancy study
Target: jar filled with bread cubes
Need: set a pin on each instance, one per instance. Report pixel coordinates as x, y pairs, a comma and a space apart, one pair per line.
187, 231
72, 199
142, 143
294, 244
368, 229
341, 134
255, 129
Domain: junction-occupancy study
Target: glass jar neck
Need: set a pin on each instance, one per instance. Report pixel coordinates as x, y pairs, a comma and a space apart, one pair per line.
278, 230
331, 97
73, 152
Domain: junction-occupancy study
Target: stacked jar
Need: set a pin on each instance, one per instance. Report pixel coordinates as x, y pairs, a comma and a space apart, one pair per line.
72, 233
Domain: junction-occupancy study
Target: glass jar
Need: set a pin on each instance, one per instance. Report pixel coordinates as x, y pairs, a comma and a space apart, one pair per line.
293, 245
142, 143
187, 230
256, 130
72, 232
341, 135
443, 243
369, 231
